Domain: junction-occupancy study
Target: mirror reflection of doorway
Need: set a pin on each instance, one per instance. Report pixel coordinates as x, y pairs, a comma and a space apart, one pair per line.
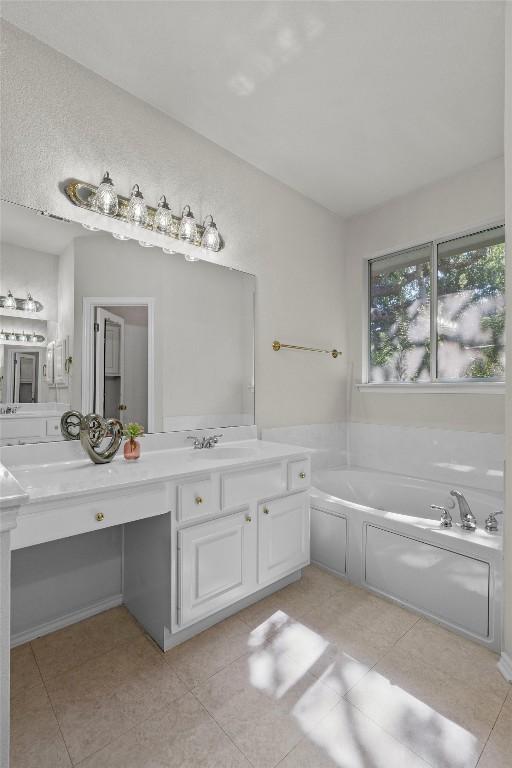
25, 377
121, 363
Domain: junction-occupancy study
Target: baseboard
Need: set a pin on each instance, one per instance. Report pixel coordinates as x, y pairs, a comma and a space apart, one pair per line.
505, 666
64, 621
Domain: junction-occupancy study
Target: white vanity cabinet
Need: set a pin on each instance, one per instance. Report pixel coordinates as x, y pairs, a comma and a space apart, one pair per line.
284, 536
215, 565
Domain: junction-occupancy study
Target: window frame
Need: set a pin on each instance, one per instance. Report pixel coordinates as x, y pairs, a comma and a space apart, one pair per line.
444, 386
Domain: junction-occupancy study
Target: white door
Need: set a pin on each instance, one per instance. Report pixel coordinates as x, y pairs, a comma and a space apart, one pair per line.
284, 536
109, 364
25, 377
48, 374
216, 565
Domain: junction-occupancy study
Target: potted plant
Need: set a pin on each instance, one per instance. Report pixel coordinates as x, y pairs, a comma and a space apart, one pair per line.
132, 446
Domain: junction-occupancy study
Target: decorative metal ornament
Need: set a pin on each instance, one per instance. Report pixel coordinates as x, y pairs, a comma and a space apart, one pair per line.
92, 430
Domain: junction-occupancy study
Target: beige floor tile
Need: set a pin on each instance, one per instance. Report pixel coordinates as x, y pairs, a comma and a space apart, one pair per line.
205, 654
371, 612
265, 702
460, 658
106, 696
71, 646
498, 750
24, 670
443, 720
339, 664
36, 741
319, 583
182, 735
345, 738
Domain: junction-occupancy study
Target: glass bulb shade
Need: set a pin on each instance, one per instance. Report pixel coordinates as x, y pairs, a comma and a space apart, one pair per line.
32, 337
191, 258
29, 304
12, 336
91, 228
3, 335
188, 226
22, 337
145, 244
211, 237
105, 200
120, 237
9, 301
163, 217
168, 251
137, 210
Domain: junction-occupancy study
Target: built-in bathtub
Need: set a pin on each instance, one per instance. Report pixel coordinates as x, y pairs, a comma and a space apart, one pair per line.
377, 530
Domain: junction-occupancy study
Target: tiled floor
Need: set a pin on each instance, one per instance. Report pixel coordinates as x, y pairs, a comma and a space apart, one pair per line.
319, 675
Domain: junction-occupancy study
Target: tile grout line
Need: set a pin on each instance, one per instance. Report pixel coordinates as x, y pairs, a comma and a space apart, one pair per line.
51, 705
221, 728
492, 729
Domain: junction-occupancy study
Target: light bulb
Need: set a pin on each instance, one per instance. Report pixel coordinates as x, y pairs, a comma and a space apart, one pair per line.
22, 336
9, 301
12, 336
191, 258
188, 226
137, 211
211, 237
32, 337
29, 304
163, 217
3, 335
105, 200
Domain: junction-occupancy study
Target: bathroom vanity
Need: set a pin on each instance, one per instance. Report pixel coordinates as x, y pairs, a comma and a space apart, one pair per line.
205, 531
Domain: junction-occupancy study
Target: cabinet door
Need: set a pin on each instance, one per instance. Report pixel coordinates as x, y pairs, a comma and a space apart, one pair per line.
284, 536
216, 563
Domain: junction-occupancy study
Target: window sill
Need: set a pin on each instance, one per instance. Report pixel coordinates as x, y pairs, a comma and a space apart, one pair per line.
440, 388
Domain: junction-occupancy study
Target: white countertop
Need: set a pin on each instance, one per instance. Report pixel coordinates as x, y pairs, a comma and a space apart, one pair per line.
65, 479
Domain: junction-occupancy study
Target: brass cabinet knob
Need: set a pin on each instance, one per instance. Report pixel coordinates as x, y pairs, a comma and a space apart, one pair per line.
248, 518
302, 475
99, 516
199, 499
266, 511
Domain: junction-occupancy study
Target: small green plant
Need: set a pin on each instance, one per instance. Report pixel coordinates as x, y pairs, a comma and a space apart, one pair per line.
133, 430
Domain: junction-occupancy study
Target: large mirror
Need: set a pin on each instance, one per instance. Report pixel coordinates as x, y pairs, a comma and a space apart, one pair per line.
93, 323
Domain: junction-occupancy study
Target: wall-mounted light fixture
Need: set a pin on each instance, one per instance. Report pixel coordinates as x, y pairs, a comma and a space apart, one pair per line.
32, 338
12, 303
105, 200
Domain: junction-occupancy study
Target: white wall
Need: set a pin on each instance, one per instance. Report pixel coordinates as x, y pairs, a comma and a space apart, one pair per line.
60, 120
471, 199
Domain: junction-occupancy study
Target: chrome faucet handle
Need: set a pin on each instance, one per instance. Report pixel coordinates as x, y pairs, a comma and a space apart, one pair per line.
198, 441
491, 524
446, 518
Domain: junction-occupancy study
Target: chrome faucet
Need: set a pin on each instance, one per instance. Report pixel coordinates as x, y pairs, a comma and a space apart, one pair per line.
204, 442
467, 518
446, 518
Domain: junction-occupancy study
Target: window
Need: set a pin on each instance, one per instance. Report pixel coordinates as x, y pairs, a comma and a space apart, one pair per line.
437, 311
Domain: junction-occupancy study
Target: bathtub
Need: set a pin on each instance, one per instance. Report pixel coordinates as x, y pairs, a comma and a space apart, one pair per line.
377, 530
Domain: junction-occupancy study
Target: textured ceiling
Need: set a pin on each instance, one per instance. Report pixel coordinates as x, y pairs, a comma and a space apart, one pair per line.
350, 103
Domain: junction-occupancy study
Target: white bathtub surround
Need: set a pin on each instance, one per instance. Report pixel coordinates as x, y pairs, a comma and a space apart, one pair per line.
449, 456
389, 540
328, 441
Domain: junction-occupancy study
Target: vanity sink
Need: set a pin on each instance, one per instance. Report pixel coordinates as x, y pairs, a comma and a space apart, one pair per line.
227, 452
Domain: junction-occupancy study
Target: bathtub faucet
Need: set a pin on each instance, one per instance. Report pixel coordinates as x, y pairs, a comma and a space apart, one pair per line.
467, 518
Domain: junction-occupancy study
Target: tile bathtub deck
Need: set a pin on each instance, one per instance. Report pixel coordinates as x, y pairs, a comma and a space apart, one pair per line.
319, 675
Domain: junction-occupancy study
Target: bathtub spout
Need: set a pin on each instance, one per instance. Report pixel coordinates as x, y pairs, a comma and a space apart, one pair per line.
467, 518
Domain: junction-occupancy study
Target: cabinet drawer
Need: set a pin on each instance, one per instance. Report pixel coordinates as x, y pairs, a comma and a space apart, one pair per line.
65, 519
239, 488
196, 499
299, 475
216, 563
283, 536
